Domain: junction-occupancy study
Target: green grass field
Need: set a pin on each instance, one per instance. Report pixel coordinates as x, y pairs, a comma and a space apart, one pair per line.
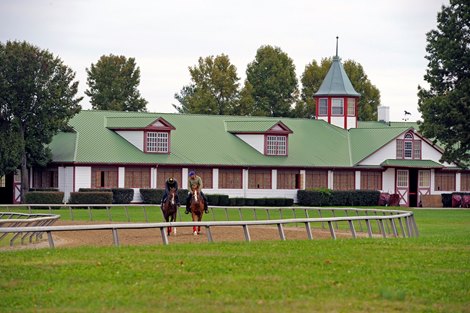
426, 274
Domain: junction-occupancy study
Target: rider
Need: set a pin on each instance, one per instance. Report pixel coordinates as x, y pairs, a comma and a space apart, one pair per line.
170, 183
195, 180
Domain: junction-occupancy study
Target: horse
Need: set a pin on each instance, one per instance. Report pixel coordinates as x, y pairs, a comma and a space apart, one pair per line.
197, 208
169, 209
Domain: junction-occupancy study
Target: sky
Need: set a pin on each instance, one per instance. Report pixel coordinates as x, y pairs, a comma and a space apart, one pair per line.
387, 37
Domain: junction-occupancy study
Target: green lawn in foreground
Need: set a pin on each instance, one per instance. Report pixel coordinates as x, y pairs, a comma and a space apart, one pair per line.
426, 274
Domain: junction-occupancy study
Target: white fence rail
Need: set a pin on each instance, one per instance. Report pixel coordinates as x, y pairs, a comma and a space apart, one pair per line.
390, 223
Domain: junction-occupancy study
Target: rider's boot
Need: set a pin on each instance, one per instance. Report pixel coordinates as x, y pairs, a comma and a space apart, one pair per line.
206, 210
187, 209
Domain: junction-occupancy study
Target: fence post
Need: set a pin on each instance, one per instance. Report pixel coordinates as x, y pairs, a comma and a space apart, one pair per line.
247, 233
369, 228
209, 234
281, 231
164, 236
353, 230
49, 238
115, 237
332, 230
309, 230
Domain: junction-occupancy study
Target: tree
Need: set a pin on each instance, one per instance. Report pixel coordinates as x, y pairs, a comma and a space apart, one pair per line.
37, 99
273, 80
445, 106
113, 83
313, 76
214, 87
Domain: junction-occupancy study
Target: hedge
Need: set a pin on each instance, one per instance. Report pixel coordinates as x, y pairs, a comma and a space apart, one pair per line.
120, 195
326, 197
154, 196
99, 197
44, 197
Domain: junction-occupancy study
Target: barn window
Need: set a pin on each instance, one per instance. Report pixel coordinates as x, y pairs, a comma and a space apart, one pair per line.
351, 107
323, 106
465, 181
157, 142
276, 145
337, 106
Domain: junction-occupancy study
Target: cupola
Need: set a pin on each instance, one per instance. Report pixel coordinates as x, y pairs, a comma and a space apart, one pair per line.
336, 100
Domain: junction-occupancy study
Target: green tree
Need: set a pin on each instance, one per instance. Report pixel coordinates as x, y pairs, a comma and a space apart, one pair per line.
37, 98
273, 80
213, 89
112, 84
313, 76
445, 106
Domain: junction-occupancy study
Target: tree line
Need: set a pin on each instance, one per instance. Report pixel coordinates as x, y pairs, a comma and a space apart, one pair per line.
271, 87
38, 92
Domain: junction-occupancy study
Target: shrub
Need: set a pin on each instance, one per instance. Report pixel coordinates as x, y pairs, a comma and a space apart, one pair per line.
289, 202
91, 197
232, 201
446, 200
325, 197
43, 189
249, 201
151, 196
44, 197
122, 195
224, 200
260, 202
212, 199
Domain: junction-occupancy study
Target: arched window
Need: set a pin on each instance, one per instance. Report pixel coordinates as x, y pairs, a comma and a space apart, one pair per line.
409, 147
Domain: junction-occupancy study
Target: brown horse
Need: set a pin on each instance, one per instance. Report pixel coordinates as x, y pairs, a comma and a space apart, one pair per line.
169, 209
197, 208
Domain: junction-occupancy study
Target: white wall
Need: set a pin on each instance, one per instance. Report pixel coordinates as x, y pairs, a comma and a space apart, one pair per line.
351, 122
256, 141
82, 177
65, 181
388, 181
134, 137
337, 121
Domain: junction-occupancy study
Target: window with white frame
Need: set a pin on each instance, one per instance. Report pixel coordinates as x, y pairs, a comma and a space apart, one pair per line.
337, 106
276, 145
2, 182
157, 142
323, 106
351, 107
424, 178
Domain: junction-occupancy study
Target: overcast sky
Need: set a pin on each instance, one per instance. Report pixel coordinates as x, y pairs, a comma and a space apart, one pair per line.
388, 37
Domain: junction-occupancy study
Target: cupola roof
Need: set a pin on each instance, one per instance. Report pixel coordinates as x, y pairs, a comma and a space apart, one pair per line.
336, 82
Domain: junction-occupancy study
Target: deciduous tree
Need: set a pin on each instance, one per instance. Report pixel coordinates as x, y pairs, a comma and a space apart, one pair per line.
37, 98
273, 80
213, 89
445, 105
113, 83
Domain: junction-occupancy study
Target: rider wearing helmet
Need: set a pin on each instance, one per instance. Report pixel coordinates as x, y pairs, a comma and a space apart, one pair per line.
194, 180
170, 183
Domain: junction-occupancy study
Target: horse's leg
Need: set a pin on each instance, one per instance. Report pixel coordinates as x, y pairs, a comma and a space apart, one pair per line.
194, 227
173, 219
199, 218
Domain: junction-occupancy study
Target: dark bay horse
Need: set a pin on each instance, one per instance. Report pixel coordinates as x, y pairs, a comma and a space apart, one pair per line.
197, 208
169, 209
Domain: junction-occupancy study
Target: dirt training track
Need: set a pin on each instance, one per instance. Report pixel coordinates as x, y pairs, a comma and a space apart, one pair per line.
183, 235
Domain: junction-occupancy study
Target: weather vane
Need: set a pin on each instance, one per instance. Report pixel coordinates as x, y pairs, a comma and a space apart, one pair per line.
405, 118
337, 46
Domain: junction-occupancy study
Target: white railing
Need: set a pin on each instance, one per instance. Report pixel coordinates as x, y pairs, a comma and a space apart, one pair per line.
25, 222
393, 223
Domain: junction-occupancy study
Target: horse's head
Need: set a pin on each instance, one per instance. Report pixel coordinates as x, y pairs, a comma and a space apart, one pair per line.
172, 195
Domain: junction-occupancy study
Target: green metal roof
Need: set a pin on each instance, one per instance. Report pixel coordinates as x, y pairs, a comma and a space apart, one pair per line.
202, 140
211, 140
249, 126
129, 122
411, 163
336, 82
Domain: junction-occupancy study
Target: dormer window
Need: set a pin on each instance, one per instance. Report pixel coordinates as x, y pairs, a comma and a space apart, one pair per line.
157, 142
409, 148
276, 145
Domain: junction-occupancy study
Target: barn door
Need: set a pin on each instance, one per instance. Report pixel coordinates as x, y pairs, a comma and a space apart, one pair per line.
17, 187
402, 186
424, 184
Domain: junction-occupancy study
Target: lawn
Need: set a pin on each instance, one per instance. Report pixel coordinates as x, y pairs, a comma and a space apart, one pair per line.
426, 274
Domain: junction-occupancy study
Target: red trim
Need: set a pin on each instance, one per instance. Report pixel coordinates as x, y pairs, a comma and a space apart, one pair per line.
266, 144
345, 112
329, 110
407, 200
